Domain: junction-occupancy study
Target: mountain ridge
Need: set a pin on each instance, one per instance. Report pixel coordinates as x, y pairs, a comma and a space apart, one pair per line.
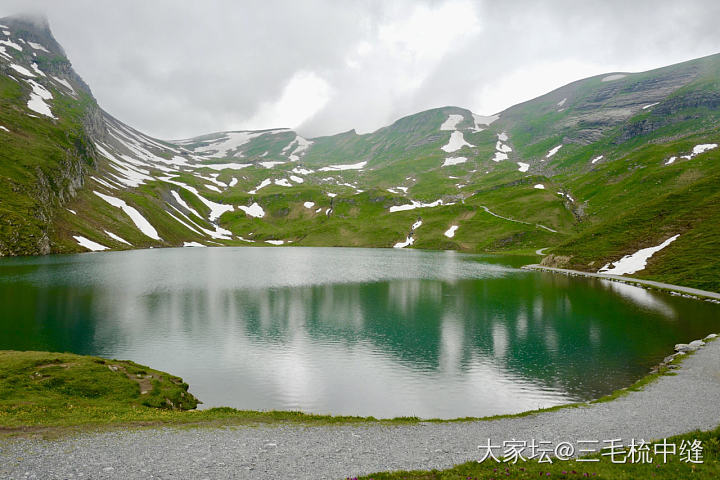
585, 169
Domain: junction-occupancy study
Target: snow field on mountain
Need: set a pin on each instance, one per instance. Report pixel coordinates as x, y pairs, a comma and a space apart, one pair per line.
450, 232
89, 244
140, 222
254, 210
456, 142
450, 161
635, 262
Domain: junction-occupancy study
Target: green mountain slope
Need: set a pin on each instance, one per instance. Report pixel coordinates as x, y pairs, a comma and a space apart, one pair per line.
595, 170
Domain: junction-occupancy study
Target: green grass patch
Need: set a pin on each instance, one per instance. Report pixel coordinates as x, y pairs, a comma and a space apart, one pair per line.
674, 469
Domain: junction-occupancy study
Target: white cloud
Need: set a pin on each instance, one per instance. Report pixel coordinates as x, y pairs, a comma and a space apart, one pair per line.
179, 69
302, 97
507, 89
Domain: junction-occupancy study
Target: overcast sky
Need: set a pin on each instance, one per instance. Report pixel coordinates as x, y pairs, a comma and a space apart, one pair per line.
176, 69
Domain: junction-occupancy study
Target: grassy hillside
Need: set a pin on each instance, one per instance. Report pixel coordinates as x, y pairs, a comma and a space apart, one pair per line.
594, 170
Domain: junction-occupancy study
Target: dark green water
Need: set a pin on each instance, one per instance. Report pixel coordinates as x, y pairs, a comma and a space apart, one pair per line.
349, 331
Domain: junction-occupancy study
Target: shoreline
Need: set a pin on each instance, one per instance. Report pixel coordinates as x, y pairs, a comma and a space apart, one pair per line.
693, 292
287, 450
233, 417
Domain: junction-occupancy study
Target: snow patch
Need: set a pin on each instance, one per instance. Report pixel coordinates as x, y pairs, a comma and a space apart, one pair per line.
302, 171
117, 238
596, 159
553, 151
649, 105
132, 176
615, 76
192, 226
283, 182
37, 69
414, 205
501, 150
501, 147
302, 145
216, 209
140, 222
4, 128
37, 99
483, 120
451, 122
698, 149
454, 161
263, 184
450, 232
37, 46
103, 183
270, 164
223, 166
456, 142
12, 44
562, 102
337, 168
670, 160
523, 167
253, 210
89, 244
539, 186
193, 244
220, 147
408, 241
22, 70
296, 179
275, 242
566, 195
636, 261
233, 182
309, 204
499, 156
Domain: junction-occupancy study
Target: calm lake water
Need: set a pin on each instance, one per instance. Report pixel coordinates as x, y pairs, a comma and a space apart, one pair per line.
378, 332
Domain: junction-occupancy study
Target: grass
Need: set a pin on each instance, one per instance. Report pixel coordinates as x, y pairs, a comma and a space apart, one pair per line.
58, 392
674, 469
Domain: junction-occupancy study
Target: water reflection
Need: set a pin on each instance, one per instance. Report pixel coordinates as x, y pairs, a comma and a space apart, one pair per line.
348, 331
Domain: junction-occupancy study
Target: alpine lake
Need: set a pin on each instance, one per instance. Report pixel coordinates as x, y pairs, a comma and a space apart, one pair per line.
369, 332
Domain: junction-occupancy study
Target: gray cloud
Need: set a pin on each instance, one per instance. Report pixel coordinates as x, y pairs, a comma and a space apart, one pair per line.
178, 69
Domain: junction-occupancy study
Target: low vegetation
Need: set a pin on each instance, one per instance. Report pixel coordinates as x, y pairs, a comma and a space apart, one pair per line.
675, 468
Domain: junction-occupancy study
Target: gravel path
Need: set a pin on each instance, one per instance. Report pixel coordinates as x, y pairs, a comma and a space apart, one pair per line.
668, 406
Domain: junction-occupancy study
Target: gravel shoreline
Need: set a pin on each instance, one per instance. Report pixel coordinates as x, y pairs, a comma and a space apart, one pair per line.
668, 406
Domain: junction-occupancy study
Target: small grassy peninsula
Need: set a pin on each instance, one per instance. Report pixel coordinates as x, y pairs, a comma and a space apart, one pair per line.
52, 393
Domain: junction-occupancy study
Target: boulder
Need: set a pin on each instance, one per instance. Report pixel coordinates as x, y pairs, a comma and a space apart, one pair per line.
689, 347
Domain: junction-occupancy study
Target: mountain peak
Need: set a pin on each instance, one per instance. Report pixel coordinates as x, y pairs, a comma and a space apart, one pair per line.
35, 27
36, 21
